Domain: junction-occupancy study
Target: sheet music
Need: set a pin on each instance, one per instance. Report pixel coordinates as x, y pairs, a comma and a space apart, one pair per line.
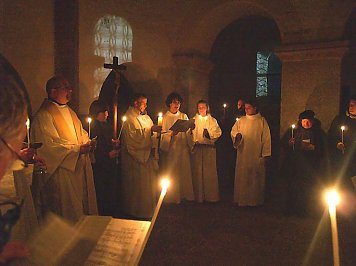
120, 243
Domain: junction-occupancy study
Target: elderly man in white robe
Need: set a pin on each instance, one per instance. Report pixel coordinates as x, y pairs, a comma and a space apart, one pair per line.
205, 133
251, 137
68, 188
176, 152
140, 185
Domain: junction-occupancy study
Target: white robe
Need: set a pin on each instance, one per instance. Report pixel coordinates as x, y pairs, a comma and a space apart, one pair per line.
250, 162
139, 169
205, 176
176, 153
68, 187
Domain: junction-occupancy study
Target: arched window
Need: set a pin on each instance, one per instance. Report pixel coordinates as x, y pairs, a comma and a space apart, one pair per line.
268, 74
112, 37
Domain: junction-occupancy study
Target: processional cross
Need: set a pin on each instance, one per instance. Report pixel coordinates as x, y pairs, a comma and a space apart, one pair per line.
118, 71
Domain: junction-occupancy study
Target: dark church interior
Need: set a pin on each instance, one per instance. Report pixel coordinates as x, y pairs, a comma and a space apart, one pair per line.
289, 56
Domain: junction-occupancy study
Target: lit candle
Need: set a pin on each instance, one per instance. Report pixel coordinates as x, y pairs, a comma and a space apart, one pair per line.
28, 132
124, 118
89, 121
237, 119
160, 119
333, 199
342, 134
164, 185
224, 106
293, 127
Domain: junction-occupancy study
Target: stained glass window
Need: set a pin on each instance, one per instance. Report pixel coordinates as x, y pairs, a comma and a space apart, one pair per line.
112, 37
268, 74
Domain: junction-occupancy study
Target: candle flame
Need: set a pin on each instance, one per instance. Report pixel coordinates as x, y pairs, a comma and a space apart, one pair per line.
89, 120
237, 119
164, 185
160, 114
224, 105
293, 126
28, 123
342, 128
124, 118
332, 197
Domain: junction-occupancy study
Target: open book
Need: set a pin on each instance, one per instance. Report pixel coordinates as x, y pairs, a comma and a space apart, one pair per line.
96, 240
182, 125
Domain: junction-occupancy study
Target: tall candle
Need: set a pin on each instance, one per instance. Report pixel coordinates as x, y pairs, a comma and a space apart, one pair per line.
333, 199
28, 132
160, 119
124, 118
89, 121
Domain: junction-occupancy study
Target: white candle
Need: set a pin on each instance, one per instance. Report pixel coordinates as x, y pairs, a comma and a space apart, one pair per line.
124, 118
224, 106
160, 119
89, 121
293, 127
333, 199
342, 134
165, 185
28, 132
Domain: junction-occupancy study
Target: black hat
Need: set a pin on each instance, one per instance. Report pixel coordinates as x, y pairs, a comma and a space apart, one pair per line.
307, 114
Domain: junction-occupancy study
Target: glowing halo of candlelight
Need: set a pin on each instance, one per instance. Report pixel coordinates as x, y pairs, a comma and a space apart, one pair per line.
293, 126
124, 118
342, 128
224, 105
332, 197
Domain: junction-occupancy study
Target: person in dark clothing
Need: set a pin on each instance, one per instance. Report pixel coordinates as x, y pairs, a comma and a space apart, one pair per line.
305, 151
105, 164
342, 145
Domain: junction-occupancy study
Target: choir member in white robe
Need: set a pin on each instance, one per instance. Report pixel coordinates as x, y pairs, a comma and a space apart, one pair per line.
175, 151
68, 188
251, 137
205, 133
140, 186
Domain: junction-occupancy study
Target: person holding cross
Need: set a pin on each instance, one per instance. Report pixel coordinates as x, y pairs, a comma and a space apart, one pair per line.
68, 187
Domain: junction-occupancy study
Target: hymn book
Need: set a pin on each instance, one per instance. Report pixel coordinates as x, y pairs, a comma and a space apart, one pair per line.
96, 240
182, 125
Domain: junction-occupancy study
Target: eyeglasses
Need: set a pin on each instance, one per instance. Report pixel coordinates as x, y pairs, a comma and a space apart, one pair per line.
18, 163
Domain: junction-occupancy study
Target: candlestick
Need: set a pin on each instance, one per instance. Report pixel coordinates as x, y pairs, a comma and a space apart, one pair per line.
89, 121
333, 199
160, 119
124, 118
28, 132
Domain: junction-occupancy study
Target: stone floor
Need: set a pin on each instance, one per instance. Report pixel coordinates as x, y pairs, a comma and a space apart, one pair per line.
224, 234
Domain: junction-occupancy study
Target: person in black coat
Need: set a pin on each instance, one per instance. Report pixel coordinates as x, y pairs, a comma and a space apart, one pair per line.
105, 164
305, 152
342, 146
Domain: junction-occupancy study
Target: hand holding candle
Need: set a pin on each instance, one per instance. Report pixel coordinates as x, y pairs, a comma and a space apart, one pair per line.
28, 132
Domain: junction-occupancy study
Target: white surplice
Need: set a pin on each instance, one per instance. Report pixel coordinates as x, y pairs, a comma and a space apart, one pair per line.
250, 162
176, 158
205, 176
140, 186
68, 187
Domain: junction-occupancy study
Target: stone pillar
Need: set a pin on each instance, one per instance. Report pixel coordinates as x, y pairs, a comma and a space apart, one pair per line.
311, 79
192, 78
66, 44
